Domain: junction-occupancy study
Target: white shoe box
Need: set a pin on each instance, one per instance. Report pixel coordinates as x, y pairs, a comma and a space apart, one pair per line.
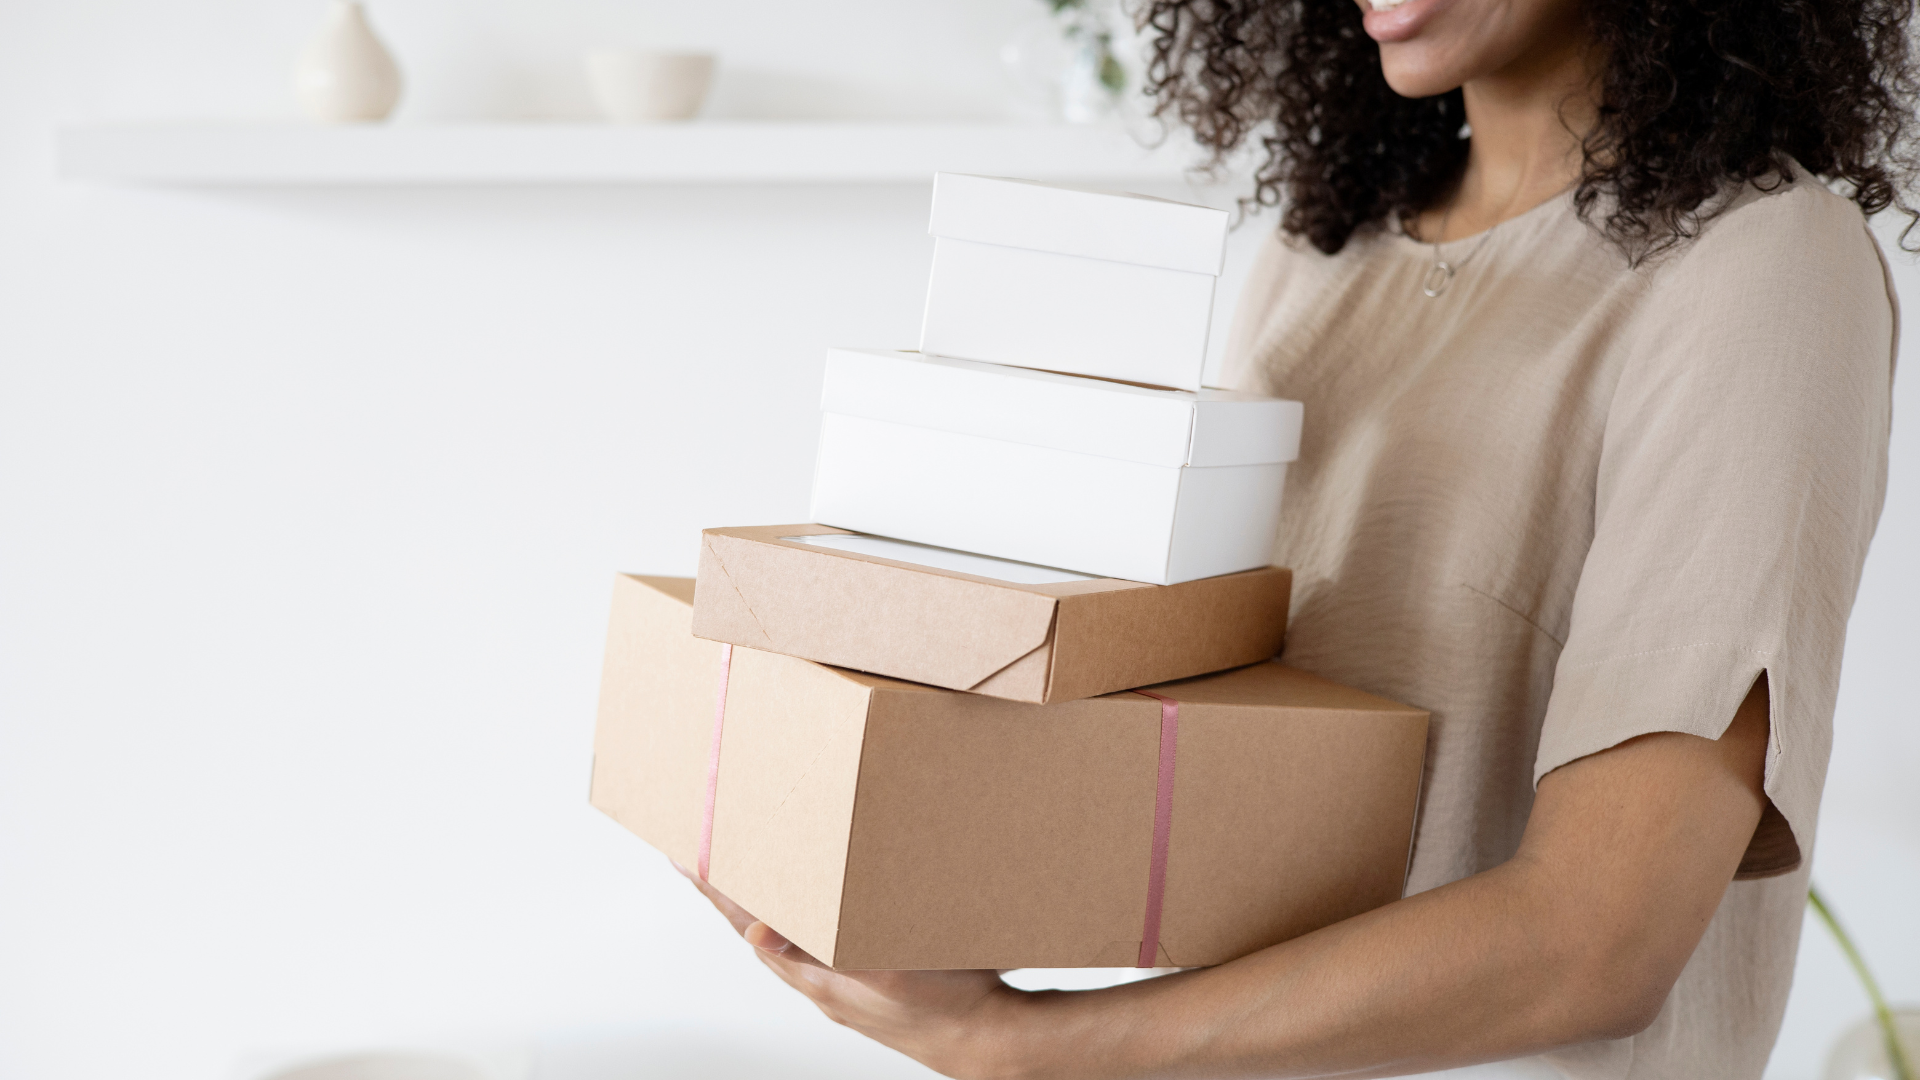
1087, 282
1087, 475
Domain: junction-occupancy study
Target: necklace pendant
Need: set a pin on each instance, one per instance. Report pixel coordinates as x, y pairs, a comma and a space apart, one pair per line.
1437, 279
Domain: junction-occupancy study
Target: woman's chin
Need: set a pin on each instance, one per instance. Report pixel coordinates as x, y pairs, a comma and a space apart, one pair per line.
1411, 72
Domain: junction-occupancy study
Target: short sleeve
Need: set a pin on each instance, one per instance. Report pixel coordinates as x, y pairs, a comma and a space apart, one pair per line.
1741, 475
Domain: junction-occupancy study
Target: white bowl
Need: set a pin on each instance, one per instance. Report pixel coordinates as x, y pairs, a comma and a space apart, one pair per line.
639, 87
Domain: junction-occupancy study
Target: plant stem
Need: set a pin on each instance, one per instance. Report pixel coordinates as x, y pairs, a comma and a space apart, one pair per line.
1895, 1054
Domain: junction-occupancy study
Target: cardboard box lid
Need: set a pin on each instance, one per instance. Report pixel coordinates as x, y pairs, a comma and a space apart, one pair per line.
967, 622
1094, 224
1007, 619
1065, 412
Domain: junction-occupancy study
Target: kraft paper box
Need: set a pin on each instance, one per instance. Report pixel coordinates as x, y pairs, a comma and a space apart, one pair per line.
965, 622
1072, 279
1089, 475
883, 824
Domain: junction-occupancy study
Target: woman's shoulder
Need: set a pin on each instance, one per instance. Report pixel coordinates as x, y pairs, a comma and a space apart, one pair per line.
1783, 279
1777, 226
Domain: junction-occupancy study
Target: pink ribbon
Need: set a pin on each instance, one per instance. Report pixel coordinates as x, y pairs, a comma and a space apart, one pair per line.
713, 763
1162, 829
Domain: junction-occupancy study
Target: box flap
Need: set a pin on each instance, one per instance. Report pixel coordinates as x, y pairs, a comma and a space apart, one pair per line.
985, 829
789, 754
1136, 638
875, 614
1074, 413
1088, 222
1276, 684
789, 765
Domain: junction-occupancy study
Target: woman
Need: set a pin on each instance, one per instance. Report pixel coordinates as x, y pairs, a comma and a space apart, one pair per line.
1597, 378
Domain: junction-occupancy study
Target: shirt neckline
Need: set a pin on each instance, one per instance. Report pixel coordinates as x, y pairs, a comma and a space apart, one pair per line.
1399, 233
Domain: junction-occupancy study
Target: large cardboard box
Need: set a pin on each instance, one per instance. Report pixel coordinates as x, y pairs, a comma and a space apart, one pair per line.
1098, 477
884, 824
965, 622
1072, 279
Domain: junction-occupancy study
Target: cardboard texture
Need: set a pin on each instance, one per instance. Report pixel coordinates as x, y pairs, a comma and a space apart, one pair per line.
1032, 642
1069, 279
884, 824
1103, 478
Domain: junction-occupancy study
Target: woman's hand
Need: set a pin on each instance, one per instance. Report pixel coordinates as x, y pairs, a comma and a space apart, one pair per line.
958, 1023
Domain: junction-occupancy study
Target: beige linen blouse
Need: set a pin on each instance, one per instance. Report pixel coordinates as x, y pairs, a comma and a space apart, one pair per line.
1568, 502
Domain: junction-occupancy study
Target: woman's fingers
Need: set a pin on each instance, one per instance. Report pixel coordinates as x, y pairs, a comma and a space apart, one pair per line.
767, 941
770, 942
869, 1001
820, 984
740, 917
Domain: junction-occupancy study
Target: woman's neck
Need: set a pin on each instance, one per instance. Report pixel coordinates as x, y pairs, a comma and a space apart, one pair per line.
1527, 120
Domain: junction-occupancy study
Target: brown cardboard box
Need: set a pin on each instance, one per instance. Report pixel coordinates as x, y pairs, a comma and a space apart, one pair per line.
883, 824
1041, 643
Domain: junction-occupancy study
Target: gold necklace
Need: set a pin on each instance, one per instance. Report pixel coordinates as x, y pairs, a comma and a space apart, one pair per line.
1440, 274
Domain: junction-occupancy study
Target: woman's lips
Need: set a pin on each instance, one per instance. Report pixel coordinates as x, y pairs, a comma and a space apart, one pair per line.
1398, 20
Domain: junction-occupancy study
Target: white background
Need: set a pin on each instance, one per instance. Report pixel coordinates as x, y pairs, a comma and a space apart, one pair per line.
309, 504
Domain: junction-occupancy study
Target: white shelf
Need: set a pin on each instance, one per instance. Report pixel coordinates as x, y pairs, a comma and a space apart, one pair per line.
696, 152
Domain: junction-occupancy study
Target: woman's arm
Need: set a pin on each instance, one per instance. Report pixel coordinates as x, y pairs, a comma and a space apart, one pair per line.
1577, 938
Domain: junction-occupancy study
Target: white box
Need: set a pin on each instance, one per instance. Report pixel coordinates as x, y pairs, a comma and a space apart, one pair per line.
1068, 279
1097, 477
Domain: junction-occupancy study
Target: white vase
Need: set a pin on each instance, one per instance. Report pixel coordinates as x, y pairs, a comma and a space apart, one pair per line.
1861, 1053
345, 75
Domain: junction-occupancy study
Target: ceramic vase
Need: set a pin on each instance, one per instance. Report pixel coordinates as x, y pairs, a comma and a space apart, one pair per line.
1861, 1053
345, 75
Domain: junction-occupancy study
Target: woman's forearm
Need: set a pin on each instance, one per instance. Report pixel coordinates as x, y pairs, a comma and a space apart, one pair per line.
1578, 938
1458, 975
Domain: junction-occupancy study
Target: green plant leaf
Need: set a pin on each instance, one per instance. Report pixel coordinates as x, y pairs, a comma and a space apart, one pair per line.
1895, 1055
1112, 75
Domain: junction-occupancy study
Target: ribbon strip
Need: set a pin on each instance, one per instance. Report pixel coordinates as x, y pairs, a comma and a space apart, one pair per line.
1162, 829
713, 762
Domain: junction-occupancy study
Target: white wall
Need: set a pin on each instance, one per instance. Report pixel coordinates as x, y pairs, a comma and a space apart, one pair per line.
309, 501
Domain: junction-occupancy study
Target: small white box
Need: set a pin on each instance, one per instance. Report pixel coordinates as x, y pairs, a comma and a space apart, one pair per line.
1097, 477
1068, 279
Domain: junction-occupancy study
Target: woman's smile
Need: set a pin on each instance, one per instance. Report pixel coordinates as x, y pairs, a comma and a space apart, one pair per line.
1400, 20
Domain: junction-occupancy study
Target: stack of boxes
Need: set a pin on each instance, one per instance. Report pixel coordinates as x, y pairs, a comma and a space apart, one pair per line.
1009, 703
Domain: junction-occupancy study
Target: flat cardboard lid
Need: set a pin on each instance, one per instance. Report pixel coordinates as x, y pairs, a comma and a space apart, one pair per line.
772, 592
794, 537
1094, 224
1065, 412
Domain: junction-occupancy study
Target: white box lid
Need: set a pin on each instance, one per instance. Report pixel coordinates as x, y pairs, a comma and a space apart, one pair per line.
1087, 222
1066, 412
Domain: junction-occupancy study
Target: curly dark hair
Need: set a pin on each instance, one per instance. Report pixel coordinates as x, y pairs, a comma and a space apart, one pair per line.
1696, 93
